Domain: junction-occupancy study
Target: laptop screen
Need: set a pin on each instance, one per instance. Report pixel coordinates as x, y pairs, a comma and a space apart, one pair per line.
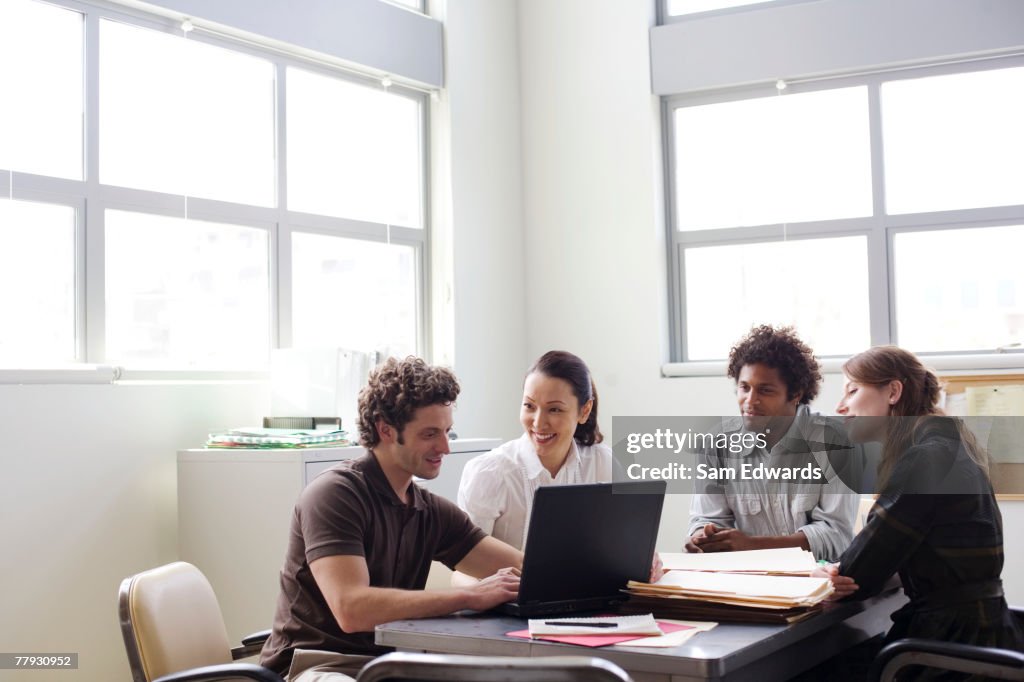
587, 541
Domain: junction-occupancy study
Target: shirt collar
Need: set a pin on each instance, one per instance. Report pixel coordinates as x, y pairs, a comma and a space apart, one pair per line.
797, 430
531, 461
799, 438
371, 468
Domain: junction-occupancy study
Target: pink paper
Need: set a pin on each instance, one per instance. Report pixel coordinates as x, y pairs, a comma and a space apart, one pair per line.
598, 640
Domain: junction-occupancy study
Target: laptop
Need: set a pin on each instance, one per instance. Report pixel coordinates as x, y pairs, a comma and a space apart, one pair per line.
584, 544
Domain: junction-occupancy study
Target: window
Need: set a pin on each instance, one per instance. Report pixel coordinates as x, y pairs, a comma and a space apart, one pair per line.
182, 117
37, 283
41, 117
681, 7
773, 160
979, 303
949, 141
881, 208
219, 200
212, 314
353, 150
752, 282
414, 4
359, 292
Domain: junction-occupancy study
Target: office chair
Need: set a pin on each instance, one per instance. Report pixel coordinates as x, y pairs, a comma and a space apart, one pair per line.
408, 667
1004, 664
174, 632
863, 509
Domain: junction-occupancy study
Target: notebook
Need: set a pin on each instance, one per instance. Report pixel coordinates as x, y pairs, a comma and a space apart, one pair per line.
585, 543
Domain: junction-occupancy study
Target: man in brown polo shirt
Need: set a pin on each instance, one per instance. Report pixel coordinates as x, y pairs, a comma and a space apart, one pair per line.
363, 535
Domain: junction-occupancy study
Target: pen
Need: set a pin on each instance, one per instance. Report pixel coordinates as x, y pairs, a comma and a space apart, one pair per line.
580, 625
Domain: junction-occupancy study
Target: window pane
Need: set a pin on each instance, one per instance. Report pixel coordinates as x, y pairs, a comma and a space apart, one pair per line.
678, 7
772, 160
353, 151
353, 293
818, 285
954, 141
977, 304
41, 82
182, 117
186, 293
37, 284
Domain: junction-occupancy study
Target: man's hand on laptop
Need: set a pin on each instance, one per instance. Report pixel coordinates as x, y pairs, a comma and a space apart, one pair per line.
495, 589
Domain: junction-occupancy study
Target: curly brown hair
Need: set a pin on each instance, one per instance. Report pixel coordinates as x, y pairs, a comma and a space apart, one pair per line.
396, 389
781, 349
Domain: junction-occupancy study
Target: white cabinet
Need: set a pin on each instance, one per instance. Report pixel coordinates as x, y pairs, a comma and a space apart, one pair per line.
235, 507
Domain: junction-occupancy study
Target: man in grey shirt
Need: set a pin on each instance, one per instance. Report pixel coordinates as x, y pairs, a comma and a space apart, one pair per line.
776, 377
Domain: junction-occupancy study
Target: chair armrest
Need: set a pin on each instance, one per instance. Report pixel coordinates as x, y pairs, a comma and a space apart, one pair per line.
945, 655
252, 644
256, 637
225, 671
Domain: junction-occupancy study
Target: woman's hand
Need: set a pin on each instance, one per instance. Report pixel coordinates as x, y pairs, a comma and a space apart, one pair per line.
844, 586
657, 568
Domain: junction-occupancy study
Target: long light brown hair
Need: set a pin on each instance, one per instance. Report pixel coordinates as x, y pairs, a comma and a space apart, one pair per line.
881, 365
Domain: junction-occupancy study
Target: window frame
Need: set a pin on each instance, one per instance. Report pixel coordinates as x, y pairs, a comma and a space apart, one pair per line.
753, 5
880, 228
91, 200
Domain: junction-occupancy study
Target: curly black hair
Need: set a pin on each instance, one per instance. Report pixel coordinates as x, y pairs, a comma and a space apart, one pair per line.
396, 389
781, 349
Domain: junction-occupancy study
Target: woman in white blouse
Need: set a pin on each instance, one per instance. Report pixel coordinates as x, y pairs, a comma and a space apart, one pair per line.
561, 445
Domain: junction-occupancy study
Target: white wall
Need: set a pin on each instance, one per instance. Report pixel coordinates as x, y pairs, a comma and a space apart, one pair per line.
595, 280
595, 246
88, 476
482, 109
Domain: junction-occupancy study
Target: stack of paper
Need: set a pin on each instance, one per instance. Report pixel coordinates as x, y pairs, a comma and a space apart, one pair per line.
784, 561
254, 437
727, 597
677, 633
641, 630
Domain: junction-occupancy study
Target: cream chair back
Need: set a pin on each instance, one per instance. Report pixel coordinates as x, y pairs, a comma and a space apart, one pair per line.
171, 621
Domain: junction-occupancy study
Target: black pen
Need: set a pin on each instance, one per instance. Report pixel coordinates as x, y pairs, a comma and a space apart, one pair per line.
560, 623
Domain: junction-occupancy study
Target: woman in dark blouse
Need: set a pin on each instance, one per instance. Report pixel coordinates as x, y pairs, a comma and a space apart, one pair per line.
935, 521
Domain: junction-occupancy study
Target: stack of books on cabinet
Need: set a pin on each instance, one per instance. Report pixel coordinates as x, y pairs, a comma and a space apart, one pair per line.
271, 438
